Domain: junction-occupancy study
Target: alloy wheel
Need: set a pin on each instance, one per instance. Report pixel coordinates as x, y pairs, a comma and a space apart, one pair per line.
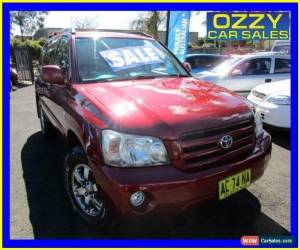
85, 191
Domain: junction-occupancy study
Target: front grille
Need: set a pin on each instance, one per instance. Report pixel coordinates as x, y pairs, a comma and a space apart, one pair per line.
258, 94
202, 149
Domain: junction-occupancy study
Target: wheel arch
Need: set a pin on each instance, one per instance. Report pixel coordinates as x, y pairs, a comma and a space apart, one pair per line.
37, 99
73, 140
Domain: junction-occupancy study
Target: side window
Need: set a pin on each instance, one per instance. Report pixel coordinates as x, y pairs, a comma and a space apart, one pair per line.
192, 62
62, 55
206, 62
49, 51
259, 66
213, 61
283, 48
282, 66
202, 61
44, 53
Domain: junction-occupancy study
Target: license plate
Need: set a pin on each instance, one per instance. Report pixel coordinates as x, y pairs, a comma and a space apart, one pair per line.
234, 183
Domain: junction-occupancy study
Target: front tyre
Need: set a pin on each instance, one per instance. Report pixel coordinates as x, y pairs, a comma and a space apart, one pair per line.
82, 189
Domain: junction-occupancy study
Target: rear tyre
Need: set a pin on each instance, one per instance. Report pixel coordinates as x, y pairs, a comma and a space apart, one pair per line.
82, 190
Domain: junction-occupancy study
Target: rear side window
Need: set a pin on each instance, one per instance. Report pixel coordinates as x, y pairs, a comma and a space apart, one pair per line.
48, 51
204, 61
44, 52
62, 55
259, 66
282, 66
283, 48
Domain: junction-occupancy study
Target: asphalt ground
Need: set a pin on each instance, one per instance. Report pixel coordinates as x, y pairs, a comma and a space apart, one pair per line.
39, 207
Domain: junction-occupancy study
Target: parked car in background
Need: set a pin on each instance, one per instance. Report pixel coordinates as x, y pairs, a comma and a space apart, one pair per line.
241, 73
204, 62
144, 137
272, 101
283, 46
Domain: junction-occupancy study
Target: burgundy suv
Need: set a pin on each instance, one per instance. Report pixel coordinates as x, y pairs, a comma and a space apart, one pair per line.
144, 137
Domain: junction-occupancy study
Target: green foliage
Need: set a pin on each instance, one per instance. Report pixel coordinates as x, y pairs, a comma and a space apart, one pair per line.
42, 41
201, 41
35, 47
149, 22
27, 21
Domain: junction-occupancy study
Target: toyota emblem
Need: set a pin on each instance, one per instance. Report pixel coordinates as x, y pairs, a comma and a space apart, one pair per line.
226, 141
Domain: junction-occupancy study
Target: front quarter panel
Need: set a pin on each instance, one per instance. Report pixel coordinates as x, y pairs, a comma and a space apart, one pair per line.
83, 120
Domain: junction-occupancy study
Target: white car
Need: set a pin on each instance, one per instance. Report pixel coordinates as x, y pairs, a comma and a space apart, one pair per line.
272, 101
283, 46
241, 73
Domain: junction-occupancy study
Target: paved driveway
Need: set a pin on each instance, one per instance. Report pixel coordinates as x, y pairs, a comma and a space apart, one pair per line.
39, 206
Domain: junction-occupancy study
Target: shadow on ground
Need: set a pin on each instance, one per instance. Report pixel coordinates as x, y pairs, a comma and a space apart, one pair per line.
280, 137
51, 215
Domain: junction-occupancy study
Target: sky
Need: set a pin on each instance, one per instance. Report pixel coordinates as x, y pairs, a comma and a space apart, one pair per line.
111, 19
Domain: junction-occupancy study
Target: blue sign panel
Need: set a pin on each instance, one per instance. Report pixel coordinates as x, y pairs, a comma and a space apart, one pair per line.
178, 36
273, 25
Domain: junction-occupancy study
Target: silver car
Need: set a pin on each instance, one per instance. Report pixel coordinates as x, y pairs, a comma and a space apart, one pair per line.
241, 73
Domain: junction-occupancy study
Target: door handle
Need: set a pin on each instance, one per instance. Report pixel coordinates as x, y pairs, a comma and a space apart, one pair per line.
268, 80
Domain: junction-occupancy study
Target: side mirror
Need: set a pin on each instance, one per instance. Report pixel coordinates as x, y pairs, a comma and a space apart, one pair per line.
52, 74
187, 66
236, 72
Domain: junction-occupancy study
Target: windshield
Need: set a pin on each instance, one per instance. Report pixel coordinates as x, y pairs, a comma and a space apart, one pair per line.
224, 65
108, 59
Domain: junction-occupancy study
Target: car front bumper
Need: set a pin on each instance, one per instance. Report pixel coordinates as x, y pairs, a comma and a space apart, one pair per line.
169, 189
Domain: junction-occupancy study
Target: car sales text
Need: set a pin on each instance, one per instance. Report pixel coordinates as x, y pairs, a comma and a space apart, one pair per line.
248, 26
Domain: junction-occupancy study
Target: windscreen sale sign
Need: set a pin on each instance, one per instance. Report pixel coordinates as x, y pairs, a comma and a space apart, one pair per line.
131, 57
248, 25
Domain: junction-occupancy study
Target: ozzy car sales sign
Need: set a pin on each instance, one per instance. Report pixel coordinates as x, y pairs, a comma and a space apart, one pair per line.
248, 25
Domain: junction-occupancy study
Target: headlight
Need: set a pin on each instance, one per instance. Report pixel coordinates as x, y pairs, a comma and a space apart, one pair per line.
258, 123
279, 99
124, 150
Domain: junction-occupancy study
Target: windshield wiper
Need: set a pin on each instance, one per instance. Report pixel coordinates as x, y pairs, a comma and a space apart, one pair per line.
132, 78
145, 77
177, 75
98, 80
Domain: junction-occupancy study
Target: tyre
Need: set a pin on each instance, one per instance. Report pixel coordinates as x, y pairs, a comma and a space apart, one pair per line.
46, 126
83, 191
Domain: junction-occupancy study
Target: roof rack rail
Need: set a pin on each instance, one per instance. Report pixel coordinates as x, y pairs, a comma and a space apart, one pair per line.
140, 33
53, 34
69, 30
117, 31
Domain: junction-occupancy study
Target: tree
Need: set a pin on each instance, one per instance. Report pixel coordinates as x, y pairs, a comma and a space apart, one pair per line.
86, 23
28, 21
150, 22
201, 41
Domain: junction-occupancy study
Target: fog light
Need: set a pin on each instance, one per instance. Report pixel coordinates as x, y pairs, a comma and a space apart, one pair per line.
137, 198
